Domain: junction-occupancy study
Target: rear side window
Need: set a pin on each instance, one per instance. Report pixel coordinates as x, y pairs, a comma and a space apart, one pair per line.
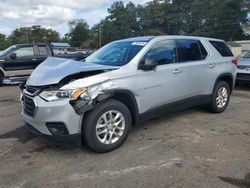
222, 48
191, 50
203, 51
43, 50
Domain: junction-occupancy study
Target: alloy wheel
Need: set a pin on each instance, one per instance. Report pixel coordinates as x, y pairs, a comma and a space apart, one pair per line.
222, 97
110, 127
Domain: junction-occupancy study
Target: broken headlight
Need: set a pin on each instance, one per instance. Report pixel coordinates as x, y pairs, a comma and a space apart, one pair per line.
62, 94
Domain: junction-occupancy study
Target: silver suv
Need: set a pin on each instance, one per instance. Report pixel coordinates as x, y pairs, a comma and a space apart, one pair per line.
125, 83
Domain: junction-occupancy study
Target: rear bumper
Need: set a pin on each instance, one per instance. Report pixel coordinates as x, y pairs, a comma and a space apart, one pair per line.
74, 139
243, 77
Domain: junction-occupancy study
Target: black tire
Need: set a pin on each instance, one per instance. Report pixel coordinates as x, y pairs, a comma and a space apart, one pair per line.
213, 106
90, 122
1, 79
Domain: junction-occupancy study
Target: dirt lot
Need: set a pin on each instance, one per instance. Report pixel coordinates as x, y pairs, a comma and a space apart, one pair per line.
192, 148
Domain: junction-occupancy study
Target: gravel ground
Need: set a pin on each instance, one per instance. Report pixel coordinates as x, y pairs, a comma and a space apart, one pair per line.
192, 148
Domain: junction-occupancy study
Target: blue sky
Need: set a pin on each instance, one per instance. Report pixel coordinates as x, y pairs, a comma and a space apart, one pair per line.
53, 14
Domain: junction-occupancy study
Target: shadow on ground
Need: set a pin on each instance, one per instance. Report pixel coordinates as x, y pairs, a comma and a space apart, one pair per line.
22, 134
242, 183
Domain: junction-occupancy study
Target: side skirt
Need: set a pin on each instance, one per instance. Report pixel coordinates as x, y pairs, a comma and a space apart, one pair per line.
174, 106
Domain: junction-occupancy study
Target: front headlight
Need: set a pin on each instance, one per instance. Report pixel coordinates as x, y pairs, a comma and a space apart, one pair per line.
62, 94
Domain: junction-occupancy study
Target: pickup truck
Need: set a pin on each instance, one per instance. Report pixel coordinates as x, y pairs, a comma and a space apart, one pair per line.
21, 59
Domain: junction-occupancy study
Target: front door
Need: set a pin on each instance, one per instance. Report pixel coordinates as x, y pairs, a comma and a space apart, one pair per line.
43, 52
165, 84
24, 59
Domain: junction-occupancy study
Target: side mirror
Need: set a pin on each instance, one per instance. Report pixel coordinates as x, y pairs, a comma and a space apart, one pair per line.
12, 55
148, 64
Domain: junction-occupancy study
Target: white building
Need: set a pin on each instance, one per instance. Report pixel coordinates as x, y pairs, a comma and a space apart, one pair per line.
245, 45
235, 48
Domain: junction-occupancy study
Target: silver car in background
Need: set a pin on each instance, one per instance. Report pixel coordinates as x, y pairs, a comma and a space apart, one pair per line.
125, 83
243, 69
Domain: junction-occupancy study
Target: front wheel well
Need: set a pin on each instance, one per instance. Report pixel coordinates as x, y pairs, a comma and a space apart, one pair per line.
127, 98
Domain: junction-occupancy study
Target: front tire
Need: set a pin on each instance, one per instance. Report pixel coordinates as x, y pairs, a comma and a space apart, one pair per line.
220, 97
106, 127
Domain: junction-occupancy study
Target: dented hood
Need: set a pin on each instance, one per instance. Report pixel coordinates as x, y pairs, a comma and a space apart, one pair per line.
53, 70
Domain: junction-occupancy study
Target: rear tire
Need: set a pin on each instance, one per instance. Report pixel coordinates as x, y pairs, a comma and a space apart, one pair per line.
220, 97
107, 126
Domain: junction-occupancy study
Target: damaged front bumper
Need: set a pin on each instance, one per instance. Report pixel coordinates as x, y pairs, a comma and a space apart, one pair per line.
53, 116
56, 120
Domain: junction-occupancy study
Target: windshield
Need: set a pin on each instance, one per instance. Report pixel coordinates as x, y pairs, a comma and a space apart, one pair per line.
115, 54
7, 50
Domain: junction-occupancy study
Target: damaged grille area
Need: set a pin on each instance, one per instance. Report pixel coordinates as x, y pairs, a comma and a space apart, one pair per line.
29, 106
32, 90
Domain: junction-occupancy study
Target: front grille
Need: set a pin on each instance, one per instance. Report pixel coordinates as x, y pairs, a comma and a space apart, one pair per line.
29, 106
32, 90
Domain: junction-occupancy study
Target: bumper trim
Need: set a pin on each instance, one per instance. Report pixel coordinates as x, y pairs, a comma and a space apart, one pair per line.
73, 139
243, 77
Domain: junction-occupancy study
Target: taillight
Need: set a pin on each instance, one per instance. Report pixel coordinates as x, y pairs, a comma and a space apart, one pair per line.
235, 61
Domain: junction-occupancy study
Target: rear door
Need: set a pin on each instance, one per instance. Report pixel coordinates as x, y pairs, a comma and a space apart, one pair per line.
197, 67
25, 57
43, 51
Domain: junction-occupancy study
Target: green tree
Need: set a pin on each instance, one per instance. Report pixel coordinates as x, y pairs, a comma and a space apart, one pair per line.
79, 33
4, 42
33, 34
221, 19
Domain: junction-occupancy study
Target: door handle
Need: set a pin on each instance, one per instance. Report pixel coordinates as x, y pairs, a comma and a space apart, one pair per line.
177, 71
34, 59
211, 65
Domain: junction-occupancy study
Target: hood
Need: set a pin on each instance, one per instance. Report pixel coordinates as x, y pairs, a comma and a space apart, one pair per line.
53, 70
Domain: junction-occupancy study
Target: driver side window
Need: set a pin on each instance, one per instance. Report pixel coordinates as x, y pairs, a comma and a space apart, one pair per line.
164, 52
24, 52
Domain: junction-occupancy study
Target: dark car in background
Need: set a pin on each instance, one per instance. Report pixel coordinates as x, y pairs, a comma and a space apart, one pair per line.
243, 69
21, 59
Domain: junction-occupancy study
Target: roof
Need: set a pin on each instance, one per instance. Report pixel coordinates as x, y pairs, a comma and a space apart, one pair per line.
148, 38
233, 44
138, 39
28, 44
60, 45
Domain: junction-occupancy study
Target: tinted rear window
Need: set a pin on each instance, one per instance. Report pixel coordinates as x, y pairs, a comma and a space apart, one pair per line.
191, 50
222, 48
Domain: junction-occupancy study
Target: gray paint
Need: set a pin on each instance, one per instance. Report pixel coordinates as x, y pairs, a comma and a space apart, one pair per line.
150, 88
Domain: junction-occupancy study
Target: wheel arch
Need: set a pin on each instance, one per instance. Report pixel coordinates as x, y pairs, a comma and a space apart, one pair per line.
128, 99
2, 72
227, 77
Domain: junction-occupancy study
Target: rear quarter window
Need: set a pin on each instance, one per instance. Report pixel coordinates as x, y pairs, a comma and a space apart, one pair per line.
222, 48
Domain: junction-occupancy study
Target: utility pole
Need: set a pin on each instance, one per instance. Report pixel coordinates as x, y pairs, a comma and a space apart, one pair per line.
100, 36
27, 38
